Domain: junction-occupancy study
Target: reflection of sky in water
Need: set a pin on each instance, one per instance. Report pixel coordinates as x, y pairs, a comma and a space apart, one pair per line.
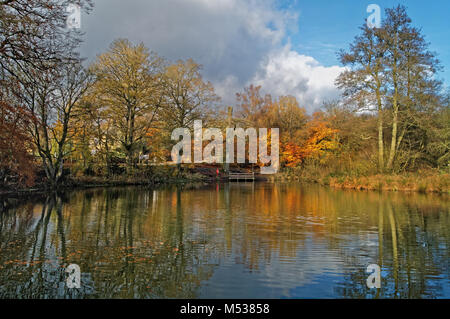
311, 272
237, 241
314, 271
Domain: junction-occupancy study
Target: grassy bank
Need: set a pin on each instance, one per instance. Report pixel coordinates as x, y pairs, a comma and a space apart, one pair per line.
426, 181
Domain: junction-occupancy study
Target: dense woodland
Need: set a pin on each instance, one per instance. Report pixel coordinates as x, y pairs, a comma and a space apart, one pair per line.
62, 119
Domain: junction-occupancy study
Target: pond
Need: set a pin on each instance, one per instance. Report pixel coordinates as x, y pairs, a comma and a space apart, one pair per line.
236, 240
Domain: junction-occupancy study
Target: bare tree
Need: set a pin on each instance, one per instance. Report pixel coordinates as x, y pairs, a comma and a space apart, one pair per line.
34, 32
50, 97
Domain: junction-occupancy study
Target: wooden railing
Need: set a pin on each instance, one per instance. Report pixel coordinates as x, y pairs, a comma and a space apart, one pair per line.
241, 176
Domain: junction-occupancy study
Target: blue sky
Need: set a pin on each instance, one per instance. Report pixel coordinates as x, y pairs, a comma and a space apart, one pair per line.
325, 26
288, 47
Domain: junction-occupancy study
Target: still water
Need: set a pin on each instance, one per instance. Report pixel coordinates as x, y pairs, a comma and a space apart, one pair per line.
239, 240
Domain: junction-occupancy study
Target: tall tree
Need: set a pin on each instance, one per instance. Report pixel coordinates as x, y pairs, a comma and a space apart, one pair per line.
392, 68
287, 115
187, 97
128, 84
50, 96
364, 82
99, 128
37, 58
410, 69
252, 106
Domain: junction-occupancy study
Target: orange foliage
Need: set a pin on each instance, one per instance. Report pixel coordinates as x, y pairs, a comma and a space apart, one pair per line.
320, 141
293, 154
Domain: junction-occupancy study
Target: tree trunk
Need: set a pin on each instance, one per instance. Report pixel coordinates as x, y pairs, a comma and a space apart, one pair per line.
380, 134
394, 135
130, 161
395, 106
394, 117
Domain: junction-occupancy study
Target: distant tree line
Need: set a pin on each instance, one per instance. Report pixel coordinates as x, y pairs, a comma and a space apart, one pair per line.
57, 114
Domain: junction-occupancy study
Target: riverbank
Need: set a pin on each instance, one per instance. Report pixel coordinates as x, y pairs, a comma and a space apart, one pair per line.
165, 176
426, 181
150, 176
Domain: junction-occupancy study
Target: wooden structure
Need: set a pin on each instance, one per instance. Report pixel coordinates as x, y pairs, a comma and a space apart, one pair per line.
241, 176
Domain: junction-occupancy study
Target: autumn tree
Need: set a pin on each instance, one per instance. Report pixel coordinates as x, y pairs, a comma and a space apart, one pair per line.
392, 69
319, 144
321, 138
253, 107
187, 97
50, 97
410, 69
37, 58
96, 133
426, 142
356, 136
128, 85
438, 147
83, 133
287, 115
364, 82
157, 140
16, 157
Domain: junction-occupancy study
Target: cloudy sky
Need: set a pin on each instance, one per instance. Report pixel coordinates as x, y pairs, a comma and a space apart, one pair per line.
287, 47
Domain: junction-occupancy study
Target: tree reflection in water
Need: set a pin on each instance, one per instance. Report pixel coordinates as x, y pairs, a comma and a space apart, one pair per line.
230, 240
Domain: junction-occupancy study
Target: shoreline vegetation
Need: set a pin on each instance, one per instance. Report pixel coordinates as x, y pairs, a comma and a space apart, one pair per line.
114, 122
425, 181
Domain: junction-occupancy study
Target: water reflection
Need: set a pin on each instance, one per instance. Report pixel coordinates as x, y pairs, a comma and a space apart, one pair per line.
255, 240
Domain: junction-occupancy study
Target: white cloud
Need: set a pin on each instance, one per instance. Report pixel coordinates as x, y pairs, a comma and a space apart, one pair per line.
286, 72
228, 87
223, 35
237, 42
